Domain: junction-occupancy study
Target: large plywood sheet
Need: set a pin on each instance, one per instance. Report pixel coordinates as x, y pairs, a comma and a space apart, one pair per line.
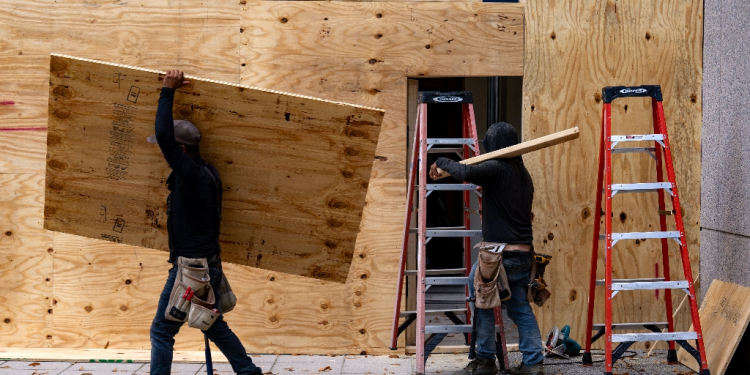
573, 49
725, 314
295, 169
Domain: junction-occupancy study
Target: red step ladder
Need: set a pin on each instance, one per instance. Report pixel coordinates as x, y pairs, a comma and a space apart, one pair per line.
465, 147
612, 287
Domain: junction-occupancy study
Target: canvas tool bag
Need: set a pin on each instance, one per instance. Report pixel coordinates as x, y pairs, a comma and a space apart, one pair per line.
192, 297
490, 280
538, 287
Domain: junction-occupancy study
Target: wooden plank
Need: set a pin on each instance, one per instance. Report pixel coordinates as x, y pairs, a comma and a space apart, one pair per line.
573, 49
520, 149
725, 314
295, 169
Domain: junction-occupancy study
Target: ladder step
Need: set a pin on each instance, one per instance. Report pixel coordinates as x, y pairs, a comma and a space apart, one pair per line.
447, 271
447, 280
637, 138
619, 326
445, 150
642, 235
450, 141
416, 230
450, 187
601, 281
641, 187
664, 336
645, 284
459, 328
405, 314
627, 150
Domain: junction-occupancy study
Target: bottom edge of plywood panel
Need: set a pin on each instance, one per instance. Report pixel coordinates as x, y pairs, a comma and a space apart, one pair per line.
101, 355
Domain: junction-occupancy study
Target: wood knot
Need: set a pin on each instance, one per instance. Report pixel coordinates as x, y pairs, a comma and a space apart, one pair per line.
88, 309
49, 311
363, 353
352, 151
378, 36
373, 61
6, 320
331, 244
337, 204
358, 293
324, 306
532, 108
363, 331
57, 164
283, 20
363, 276
427, 46
550, 236
623, 216
272, 278
553, 36
357, 304
648, 36
62, 114
242, 30
8, 233
573, 295
325, 323
128, 282
333, 223
49, 337
379, 15
50, 250
123, 308
273, 319
63, 91
598, 97
347, 174
585, 213
693, 98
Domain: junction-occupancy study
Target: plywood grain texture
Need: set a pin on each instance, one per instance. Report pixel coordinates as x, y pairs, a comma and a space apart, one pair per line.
295, 170
725, 314
363, 53
573, 49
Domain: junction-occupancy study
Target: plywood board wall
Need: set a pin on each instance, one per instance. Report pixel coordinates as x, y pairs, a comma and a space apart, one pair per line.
573, 49
90, 300
725, 314
294, 169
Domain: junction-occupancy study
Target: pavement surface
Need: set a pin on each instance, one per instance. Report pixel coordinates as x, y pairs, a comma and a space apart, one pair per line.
444, 364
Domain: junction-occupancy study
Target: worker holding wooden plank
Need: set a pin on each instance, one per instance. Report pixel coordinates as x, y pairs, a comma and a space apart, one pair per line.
196, 290
507, 191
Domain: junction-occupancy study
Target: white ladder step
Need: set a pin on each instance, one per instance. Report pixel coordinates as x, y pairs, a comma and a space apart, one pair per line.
637, 138
450, 187
405, 314
623, 326
664, 336
642, 235
450, 141
641, 187
459, 328
645, 284
447, 280
447, 271
627, 150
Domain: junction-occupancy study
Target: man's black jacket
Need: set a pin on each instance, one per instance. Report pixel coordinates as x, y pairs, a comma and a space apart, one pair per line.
507, 189
192, 215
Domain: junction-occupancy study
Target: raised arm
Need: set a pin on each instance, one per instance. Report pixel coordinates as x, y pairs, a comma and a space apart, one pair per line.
180, 162
481, 174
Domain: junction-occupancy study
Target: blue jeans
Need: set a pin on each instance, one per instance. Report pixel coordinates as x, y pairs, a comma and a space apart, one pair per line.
164, 330
519, 309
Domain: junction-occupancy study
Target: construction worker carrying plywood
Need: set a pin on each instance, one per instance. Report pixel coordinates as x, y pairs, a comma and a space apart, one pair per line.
196, 290
507, 193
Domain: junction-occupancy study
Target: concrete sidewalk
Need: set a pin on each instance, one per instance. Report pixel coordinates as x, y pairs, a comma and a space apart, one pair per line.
444, 364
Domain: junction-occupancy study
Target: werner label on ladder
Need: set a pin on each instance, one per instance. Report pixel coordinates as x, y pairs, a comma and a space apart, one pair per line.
613, 287
507, 193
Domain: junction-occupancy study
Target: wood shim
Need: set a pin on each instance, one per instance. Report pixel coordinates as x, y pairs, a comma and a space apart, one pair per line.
295, 169
725, 313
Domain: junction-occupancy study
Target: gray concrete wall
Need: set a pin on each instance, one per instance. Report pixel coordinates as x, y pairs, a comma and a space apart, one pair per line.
725, 185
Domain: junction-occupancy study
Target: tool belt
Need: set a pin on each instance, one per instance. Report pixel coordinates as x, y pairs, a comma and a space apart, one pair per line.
490, 280
192, 298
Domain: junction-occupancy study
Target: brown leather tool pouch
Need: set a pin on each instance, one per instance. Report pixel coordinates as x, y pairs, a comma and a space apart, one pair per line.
490, 280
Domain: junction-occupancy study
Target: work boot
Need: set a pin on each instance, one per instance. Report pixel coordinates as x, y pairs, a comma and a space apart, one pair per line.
537, 369
479, 366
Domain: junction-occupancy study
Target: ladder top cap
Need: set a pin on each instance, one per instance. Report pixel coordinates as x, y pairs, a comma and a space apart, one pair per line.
441, 97
611, 93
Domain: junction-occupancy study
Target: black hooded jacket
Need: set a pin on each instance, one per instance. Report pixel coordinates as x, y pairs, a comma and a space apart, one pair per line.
507, 189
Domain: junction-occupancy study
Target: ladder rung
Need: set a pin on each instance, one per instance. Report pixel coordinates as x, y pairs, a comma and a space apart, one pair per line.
445, 150
620, 281
619, 326
637, 138
641, 187
447, 271
652, 285
447, 280
642, 235
664, 336
450, 141
626, 150
450, 187
454, 233
459, 328
416, 230
404, 314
